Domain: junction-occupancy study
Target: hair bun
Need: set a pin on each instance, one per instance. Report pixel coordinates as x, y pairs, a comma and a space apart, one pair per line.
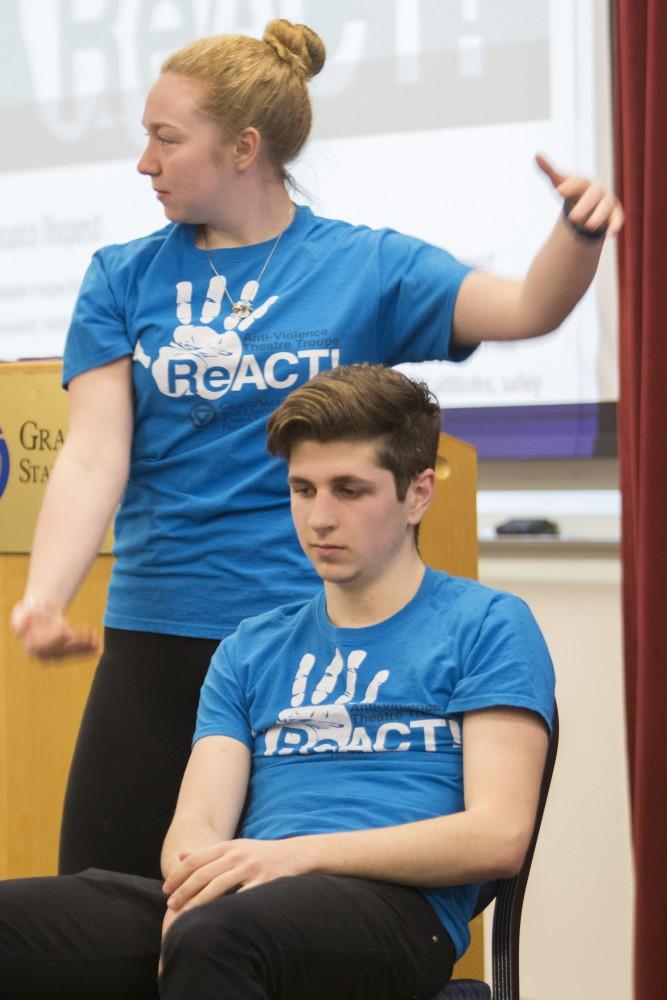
297, 45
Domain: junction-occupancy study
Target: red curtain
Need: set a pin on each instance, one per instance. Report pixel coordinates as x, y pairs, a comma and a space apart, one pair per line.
640, 75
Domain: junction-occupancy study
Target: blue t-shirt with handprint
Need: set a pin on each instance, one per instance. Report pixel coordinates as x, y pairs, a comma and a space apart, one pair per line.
358, 728
203, 536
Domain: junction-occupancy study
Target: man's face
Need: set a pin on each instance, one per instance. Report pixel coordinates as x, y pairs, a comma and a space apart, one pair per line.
349, 520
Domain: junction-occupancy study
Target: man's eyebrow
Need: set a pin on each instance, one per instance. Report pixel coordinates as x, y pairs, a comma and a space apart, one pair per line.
344, 480
350, 478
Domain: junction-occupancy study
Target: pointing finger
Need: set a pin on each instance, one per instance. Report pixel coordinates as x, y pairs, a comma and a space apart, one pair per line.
546, 168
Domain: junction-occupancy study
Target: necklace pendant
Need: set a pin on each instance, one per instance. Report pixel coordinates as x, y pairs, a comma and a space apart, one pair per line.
242, 308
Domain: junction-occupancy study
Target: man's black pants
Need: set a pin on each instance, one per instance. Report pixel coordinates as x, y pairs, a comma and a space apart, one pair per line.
308, 937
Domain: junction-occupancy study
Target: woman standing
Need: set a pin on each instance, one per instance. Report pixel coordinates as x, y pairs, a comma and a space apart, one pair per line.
181, 344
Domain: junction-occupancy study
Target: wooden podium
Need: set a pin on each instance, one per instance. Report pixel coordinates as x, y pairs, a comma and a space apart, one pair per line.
41, 703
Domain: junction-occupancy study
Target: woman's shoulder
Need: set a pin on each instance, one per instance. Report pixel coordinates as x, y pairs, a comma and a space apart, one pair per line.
340, 227
124, 254
360, 236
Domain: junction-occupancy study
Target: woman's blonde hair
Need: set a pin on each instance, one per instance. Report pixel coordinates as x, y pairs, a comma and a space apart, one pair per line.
248, 82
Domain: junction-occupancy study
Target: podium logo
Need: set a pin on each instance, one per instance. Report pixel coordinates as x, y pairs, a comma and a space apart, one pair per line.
4, 464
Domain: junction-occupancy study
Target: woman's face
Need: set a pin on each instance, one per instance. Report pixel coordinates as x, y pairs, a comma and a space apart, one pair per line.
191, 170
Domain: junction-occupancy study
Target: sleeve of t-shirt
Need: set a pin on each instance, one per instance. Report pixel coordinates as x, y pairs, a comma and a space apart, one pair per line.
98, 332
507, 663
419, 284
222, 702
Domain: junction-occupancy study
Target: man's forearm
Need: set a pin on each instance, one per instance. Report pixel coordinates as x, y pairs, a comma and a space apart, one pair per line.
185, 836
202, 818
503, 762
450, 850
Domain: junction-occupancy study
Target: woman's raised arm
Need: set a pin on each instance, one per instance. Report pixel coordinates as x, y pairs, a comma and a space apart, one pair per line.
494, 308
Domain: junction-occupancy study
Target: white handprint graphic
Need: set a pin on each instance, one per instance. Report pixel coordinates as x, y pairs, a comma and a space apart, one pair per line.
318, 727
200, 360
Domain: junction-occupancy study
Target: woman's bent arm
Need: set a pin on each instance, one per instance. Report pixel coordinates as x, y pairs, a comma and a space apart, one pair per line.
494, 308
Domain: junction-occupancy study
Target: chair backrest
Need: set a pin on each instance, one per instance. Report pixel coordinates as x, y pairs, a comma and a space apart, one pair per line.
508, 894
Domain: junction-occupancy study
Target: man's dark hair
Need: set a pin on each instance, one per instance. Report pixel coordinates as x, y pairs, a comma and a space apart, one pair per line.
363, 402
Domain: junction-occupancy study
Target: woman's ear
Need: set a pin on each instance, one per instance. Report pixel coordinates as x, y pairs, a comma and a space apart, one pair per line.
246, 148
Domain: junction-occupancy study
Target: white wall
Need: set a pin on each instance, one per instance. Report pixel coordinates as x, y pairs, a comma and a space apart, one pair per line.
577, 932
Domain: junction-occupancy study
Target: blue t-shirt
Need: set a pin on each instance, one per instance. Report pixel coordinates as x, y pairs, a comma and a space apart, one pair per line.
203, 534
359, 728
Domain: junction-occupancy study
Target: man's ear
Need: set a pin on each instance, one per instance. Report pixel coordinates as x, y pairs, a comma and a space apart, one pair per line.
420, 494
246, 148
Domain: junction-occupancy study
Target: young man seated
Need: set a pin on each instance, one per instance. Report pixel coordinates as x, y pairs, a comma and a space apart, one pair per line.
360, 761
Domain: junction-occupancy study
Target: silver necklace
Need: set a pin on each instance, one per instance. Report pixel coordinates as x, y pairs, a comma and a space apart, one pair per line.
244, 306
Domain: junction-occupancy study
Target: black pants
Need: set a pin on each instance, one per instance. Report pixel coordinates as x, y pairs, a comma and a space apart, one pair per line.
310, 937
131, 752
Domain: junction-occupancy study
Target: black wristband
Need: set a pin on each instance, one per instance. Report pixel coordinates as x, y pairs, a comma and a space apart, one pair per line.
588, 234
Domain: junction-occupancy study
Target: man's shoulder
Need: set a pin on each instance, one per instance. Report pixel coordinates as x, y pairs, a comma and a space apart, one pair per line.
468, 613
463, 595
269, 625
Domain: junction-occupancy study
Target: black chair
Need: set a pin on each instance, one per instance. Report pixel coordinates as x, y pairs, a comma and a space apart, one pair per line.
508, 894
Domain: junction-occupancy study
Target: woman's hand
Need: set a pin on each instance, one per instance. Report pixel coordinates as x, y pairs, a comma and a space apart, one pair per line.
590, 207
46, 633
489, 307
